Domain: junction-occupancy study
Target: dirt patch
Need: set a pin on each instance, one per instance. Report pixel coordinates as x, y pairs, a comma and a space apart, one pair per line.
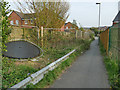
28, 63
36, 64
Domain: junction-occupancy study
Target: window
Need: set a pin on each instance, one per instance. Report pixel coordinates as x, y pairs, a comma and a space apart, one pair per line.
26, 21
17, 22
66, 27
31, 21
11, 22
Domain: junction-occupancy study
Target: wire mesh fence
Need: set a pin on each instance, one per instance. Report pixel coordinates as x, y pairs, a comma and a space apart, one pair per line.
53, 42
114, 40
23, 33
111, 41
0, 51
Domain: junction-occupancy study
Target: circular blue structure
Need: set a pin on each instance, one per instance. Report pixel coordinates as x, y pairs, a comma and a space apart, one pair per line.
21, 50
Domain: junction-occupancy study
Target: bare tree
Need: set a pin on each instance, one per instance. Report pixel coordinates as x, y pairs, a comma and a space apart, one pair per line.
47, 14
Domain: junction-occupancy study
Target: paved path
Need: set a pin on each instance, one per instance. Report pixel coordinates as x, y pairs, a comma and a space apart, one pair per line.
88, 71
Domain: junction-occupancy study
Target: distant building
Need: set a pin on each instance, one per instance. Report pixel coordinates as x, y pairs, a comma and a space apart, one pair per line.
69, 26
117, 19
86, 28
19, 19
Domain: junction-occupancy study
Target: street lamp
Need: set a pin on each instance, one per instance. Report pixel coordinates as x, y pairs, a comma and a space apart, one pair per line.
99, 17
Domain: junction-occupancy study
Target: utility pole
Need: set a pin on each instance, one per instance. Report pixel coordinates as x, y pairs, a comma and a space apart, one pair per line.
99, 23
99, 17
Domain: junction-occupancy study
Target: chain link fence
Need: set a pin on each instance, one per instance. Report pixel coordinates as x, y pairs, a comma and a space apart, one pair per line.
111, 41
24, 33
53, 42
0, 57
114, 42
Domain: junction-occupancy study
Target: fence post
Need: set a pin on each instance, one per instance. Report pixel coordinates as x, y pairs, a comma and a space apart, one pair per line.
108, 42
80, 34
76, 33
42, 36
109, 45
119, 49
23, 34
119, 41
38, 33
83, 34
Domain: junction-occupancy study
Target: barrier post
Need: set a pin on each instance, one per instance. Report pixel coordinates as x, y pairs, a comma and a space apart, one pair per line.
42, 36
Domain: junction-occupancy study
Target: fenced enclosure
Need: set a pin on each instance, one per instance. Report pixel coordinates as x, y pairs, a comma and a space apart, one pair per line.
104, 38
114, 41
0, 58
24, 33
111, 41
54, 42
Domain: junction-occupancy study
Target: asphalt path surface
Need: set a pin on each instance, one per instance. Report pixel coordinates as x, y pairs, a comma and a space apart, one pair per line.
88, 71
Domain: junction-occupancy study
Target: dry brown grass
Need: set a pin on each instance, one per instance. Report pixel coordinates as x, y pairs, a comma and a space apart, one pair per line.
42, 62
28, 63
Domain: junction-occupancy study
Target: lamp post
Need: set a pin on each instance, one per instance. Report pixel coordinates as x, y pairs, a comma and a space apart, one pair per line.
99, 18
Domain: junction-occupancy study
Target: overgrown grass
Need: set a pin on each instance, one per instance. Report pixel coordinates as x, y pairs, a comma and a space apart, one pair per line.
13, 74
51, 76
112, 69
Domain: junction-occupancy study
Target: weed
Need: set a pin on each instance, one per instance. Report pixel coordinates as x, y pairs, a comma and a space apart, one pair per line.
112, 69
13, 74
52, 75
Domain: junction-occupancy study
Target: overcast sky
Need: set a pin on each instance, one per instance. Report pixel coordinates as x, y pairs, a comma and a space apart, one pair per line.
86, 12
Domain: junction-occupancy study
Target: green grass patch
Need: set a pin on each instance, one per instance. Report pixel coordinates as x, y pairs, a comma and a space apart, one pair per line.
102, 49
113, 74
13, 74
112, 69
51, 76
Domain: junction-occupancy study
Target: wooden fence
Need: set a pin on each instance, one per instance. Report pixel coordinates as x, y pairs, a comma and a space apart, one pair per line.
104, 38
111, 41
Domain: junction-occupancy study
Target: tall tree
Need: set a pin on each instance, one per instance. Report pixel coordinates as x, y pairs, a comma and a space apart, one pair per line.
47, 14
5, 22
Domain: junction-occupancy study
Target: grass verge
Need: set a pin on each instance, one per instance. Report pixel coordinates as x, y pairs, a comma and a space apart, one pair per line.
112, 69
13, 72
51, 76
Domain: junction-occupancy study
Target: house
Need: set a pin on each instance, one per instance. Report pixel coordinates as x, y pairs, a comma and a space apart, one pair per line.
86, 28
69, 26
20, 19
117, 19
